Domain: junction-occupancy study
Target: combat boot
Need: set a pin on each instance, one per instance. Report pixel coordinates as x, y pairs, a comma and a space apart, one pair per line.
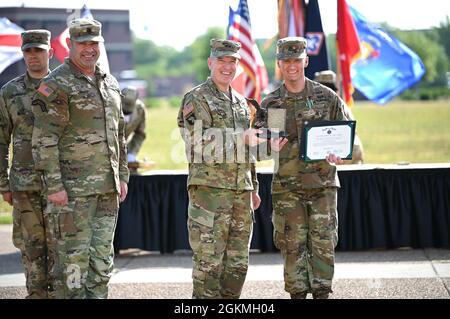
320, 295
300, 295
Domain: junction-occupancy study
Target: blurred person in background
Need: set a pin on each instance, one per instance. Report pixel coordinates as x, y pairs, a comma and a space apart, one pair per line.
328, 78
135, 119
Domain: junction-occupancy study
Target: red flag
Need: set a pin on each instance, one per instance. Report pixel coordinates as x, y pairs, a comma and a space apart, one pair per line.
59, 45
251, 77
348, 48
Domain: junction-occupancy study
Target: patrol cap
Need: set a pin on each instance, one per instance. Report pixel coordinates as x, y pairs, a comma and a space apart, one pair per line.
82, 30
291, 48
325, 77
36, 39
220, 47
129, 96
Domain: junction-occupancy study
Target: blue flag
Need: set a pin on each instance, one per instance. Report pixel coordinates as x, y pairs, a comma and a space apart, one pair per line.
317, 49
387, 67
86, 13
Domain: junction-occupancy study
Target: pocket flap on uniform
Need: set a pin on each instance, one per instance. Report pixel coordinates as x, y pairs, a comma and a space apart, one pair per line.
278, 223
201, 216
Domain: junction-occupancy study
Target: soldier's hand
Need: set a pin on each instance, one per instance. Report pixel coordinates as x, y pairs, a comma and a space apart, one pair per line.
7, 197
123, 191
277, 144
60, 198
256, 200
333, 159
251, 139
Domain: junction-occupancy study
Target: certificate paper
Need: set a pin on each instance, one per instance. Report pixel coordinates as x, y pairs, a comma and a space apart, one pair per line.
320, 138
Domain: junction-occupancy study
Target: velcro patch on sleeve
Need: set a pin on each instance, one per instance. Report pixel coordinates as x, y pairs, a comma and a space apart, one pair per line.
187, 110
45, 90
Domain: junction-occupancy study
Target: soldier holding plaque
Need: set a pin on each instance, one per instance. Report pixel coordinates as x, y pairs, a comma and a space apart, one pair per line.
304, 193
222, 185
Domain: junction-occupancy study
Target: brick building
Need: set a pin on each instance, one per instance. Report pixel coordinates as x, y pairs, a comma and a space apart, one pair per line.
116, 31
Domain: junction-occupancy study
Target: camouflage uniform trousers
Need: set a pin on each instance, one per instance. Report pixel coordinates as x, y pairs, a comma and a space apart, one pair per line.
82, 235
220, 224
305, 231
30, 237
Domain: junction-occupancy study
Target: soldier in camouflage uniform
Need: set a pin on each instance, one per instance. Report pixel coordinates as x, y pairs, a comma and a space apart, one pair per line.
79, 145
223, 190
22, 188
328, 78
304, 195
135, 119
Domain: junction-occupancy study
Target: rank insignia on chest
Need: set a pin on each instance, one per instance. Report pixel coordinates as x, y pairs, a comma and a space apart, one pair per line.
222, 113
45, 90
309, 113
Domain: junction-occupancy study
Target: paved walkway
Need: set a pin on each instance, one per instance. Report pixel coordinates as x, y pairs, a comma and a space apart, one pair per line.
386, 274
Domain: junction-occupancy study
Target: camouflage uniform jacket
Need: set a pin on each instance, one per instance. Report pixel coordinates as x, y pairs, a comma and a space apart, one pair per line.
78, 136
206, 103
16, 126
135, 128
316, 102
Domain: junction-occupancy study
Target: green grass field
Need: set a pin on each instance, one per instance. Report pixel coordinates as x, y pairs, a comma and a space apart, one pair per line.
5, 217
415, 132
401, 131
404, 131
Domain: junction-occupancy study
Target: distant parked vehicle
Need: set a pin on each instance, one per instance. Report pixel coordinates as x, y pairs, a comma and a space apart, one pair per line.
130, 78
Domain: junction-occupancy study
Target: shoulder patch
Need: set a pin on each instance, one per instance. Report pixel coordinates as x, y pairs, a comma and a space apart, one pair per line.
45, 90
187, 109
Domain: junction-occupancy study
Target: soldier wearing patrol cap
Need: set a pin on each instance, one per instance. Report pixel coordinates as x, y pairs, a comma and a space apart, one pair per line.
135, 120
328, 78
84, 30
79, 146
304, 194
222, 193
20, 184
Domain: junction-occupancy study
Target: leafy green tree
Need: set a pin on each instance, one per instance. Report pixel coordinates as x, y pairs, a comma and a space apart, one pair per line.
145, 51
331, 50
151, 60
267, 48
200, 51
432, 53
444, 35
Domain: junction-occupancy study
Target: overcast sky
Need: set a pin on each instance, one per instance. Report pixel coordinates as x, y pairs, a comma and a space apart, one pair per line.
178, 22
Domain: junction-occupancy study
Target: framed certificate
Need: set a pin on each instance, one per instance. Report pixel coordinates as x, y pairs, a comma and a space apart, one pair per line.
320, 138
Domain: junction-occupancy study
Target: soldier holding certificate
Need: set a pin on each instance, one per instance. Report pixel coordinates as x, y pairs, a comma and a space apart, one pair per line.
328, 78
304, 194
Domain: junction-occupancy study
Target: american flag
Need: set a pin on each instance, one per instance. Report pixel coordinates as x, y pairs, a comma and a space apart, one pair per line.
251, 77
10, 43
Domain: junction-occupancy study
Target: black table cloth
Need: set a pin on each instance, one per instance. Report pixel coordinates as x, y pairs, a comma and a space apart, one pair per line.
377, 208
